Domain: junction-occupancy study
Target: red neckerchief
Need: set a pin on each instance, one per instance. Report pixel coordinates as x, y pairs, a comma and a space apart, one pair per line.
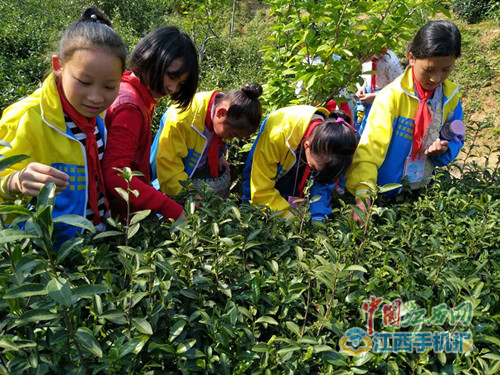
423, 117
216, 143
143, 90
87, 126
374, 68
307, 169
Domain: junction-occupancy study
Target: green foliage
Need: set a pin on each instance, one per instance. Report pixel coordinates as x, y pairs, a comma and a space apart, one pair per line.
335, 32
472, 11
235, 289
28, 37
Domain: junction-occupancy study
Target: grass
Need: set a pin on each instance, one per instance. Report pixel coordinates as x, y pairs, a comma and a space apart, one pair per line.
477, 73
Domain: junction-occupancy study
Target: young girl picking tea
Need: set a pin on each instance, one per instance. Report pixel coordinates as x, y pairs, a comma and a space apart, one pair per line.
405, 133
60, 126
296, 144
164, 63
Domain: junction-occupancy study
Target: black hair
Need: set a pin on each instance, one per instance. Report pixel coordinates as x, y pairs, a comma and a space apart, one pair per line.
436, 38
92, 30
153, 55
335, 114
336, 140
244, 105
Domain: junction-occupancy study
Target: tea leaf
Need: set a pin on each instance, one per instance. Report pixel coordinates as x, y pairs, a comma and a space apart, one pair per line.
142, 326
85, 338
26, 290
266, 319
76, 221
59, 291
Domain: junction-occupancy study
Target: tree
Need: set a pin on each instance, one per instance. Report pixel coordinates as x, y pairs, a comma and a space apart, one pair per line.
342, 33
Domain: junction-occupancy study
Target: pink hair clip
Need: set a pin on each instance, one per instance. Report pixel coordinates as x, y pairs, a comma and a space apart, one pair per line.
342, 121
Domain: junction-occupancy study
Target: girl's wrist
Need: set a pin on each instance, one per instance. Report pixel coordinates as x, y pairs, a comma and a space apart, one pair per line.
14, 182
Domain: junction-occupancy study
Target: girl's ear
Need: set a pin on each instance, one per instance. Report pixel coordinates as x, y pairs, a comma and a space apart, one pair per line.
307, 144
56, 65
221, 112
411, 59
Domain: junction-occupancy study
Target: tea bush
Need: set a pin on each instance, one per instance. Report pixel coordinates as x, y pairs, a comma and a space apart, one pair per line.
472, 11
235, 289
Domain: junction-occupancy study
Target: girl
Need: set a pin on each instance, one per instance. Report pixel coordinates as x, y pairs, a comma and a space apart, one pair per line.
60, 127
164, 63
402, 135
295, 144
189, 144
388, 68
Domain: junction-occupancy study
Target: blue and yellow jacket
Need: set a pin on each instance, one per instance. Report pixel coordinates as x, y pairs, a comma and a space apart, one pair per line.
179, 144
388, 136
274, 153
35, 126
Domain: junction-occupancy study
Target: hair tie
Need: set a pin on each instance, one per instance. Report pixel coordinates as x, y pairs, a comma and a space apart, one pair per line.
342, 121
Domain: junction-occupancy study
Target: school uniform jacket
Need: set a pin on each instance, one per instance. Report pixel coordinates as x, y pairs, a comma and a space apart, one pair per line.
388, 136
274, 153
129, 124
35, 126
180, 143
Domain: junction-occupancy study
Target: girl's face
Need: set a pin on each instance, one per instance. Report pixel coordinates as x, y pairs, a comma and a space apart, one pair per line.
432, 71
222, 126
316, 162
173, 81
90, 79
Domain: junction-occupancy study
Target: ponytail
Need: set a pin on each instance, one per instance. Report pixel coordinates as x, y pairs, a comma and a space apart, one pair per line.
92, 30
245, 105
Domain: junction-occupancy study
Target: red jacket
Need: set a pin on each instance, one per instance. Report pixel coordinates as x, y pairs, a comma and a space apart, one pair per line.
129, 145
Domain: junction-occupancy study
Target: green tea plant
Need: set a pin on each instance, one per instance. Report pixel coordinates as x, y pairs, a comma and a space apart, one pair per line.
236, 289
343, 34
472, 11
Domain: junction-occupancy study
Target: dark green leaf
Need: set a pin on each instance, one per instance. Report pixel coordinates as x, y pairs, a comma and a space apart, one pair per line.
59, 291
76, 221
88, 291
142, 326
11, 160
26, 290
86, 339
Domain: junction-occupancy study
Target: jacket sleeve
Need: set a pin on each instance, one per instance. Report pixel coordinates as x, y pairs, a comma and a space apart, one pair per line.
125, 133
321, 208
374, 143
16, 132
454, 145
172, 148
262, 178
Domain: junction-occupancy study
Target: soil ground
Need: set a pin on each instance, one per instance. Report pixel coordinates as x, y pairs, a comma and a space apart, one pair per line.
478, 74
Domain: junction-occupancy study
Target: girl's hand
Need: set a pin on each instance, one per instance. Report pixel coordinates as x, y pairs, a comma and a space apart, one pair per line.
182, 216
437, 148
31, 179
361, 204
223, 164
361, 92
368, 98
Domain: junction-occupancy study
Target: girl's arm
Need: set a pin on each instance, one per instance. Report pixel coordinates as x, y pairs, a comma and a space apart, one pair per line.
264, 161
125, 134
30, 175
321, 208
374, 143
454, 145
172, 148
